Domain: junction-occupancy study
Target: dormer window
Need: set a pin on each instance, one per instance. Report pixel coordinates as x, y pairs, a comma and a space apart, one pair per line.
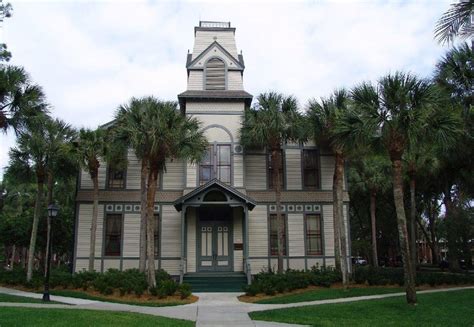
215, 74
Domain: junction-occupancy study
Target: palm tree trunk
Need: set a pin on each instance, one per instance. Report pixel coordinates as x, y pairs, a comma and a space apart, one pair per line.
12, 260
375, 260
34, 228
452, 237
276, 161
336, 222
143, 212
50, 201
339, 205
408, 269
434, 241
413, 247
150, 226
95, 214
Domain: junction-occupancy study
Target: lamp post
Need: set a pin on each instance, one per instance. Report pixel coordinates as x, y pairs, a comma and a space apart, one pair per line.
52, 213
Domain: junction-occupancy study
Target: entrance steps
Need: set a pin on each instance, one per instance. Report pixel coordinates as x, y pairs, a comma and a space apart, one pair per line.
216, 281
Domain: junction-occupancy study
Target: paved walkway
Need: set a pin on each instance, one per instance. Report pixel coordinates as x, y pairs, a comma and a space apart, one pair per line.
212, 309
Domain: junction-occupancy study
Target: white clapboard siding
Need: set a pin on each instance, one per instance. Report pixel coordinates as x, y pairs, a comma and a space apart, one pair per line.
330, 262
296, 234
231, 122
314, 262
234, 80
258, 232
191, 242
293, 169
173, 179
238, 170
203, 39
255, 172
131, 236
328, 218
213, 107
298, 264
327, 172
237, 238
133, 171
84, 230
258, 265
195, 80
171, 266
86, 181
111, 264
170, 232
191, 175
130, 264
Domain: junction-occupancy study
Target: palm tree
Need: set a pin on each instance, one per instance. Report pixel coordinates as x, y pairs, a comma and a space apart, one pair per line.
129, 129
399, 110
158, 131
19, 99
456, 22
89, 149
270, 124
322, 116
31, 154
371, 174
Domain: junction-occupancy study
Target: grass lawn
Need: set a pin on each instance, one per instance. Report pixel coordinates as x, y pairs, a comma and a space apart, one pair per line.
455, 308
70, 317
328, 293
130, 299
19, 299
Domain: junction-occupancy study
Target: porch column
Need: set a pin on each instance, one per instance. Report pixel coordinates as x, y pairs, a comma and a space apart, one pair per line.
183, 260
246, 246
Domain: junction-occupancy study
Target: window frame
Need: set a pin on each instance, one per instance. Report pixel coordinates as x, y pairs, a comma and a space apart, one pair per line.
110, 170
317, 169
269, 174
306, 234
285, 245
214, 164
205, 74
106, 235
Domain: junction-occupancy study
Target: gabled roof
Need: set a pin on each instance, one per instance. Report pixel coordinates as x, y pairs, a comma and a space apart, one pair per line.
213, 184
239, 63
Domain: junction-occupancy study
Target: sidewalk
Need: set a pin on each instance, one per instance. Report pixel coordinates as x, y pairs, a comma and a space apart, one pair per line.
212, 309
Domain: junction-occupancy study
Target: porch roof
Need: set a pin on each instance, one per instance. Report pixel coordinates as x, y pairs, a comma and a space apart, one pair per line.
215, 184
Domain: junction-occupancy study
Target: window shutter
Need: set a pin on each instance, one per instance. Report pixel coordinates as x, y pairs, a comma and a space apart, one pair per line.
215, 74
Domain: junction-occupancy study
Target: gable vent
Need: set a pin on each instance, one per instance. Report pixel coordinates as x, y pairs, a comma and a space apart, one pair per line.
215, 74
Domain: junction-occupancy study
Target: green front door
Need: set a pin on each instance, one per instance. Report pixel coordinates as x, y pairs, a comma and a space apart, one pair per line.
214, 245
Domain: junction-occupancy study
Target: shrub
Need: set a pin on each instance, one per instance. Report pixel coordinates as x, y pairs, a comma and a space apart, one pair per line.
168, 287
161, 275
184, 291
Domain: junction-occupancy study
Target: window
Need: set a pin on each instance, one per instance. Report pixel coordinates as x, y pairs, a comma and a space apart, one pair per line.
157, 234
274, 234
113, 235
311, 169
314, 243
116, 177
215, 164
215, 74
270, 171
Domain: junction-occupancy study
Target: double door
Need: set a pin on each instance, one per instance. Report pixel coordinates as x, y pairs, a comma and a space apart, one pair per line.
214, 246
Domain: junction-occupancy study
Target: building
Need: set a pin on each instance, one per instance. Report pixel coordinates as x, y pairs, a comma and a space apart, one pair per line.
218, 216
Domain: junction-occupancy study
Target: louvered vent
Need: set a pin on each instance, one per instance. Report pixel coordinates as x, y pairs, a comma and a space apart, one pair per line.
215, 75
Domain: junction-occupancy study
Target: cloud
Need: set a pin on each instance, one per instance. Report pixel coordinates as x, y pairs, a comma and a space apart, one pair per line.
92, 56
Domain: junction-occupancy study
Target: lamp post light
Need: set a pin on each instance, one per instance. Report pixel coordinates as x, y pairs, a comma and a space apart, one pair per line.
52, 213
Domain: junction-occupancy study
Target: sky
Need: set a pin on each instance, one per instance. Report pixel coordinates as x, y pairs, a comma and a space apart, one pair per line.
92, 56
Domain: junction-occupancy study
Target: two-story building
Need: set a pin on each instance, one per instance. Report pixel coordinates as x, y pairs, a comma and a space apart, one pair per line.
219, 215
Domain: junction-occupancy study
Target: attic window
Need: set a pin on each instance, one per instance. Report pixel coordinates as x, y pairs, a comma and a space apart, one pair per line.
215, 74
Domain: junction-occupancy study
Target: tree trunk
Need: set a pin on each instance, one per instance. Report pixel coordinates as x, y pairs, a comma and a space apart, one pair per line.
408, 268
452, 237
150, 226
339, 217
34, 228
434, 239
12, 260
375, 260
50, 201
95, 214
276, 163
413, 247
143, 212
336, 221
